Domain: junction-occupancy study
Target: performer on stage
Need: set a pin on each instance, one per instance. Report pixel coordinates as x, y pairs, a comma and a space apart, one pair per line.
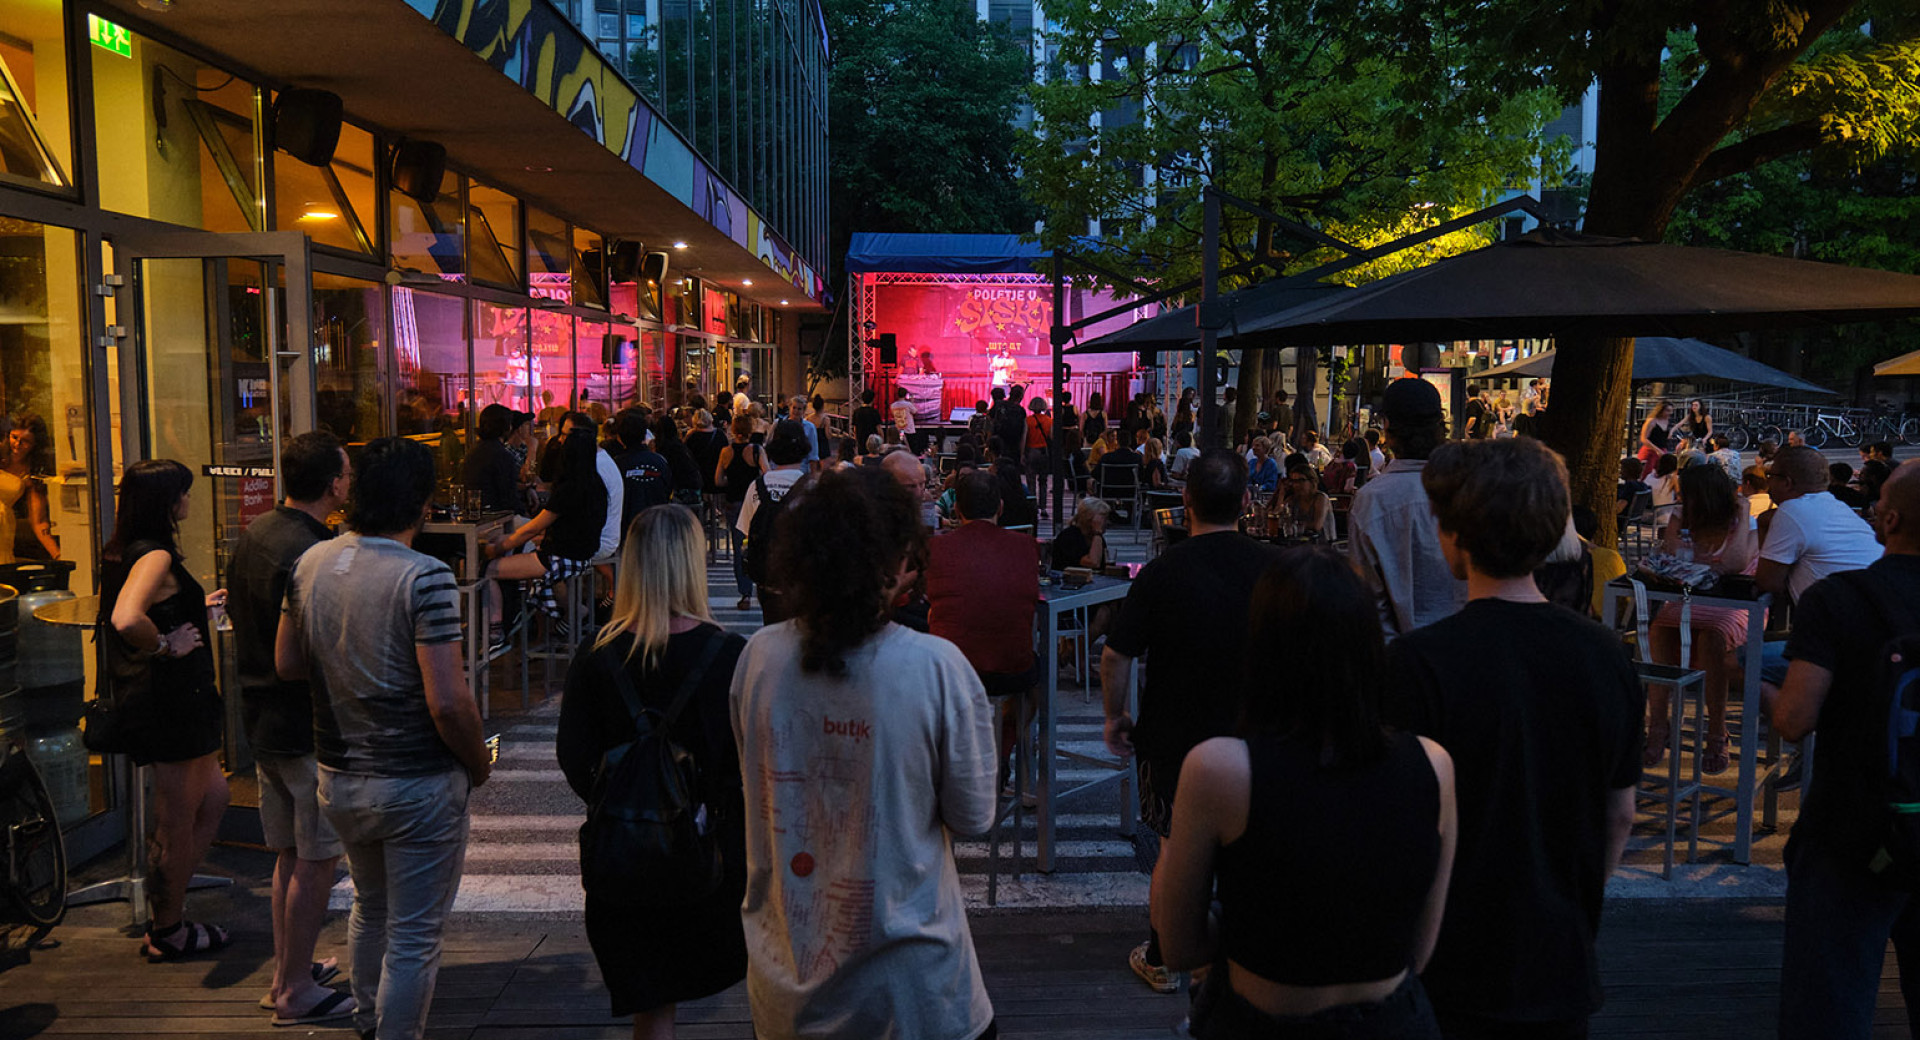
1005, 368
926, 363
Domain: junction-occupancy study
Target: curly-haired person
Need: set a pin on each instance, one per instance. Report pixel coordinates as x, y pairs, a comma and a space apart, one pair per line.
865, 749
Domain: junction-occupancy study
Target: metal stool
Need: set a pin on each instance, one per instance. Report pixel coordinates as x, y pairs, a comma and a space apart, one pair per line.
1684, 683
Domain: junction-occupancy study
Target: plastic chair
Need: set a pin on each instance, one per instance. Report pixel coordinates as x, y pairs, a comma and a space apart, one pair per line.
1120, 484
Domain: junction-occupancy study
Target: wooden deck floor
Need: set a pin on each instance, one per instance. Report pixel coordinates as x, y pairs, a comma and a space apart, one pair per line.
1701, 971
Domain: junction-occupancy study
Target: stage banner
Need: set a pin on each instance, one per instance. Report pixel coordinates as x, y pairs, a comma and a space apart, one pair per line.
923, 393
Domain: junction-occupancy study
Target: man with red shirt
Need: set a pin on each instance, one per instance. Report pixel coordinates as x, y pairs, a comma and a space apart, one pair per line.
983, 587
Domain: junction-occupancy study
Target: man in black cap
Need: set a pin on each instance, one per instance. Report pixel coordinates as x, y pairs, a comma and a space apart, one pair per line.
1391, 531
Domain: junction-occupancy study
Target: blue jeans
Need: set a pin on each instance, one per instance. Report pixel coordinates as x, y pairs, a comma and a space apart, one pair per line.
1839, 920
1773, 663
406, 842
737, 546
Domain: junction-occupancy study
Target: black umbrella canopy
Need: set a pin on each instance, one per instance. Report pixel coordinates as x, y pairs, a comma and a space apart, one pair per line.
1175, 329
1552, 283
1663, 359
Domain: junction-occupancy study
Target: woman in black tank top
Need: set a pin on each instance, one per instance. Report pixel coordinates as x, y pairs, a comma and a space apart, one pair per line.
739, 465
1331, 837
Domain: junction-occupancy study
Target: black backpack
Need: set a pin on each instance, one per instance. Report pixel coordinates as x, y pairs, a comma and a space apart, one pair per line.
1897, 680
760, 531
650, 839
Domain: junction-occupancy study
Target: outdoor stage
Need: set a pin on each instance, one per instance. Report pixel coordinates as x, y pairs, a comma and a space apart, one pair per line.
968, 313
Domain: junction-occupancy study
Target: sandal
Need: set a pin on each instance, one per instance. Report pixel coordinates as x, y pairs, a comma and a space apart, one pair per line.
1655, 751
198, 938
1713, 755
333, 1005
323, 972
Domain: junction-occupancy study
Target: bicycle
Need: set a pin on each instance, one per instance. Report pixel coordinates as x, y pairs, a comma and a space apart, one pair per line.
1884, 426
33, 887
1832, 425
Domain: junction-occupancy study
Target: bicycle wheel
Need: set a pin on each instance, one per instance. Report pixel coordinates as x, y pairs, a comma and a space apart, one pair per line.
35, 856
1773, 433
1737, 437
1816, 435
1851, 435
1910, 431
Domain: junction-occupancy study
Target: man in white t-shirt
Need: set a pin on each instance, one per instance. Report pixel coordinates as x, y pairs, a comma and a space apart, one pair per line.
741, 400
1812, 534
902, 412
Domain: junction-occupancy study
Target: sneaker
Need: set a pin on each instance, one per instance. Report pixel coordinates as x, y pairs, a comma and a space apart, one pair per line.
1155, 976
1788, 778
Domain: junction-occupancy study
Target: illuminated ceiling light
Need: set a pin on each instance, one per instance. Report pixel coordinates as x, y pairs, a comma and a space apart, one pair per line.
319, 214
679, 245
783, 303
536, 168
748, 282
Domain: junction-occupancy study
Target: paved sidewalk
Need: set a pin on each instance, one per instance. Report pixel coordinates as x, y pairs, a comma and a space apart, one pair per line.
1699, 969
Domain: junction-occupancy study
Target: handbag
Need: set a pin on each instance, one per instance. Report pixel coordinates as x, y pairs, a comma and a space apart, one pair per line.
1670, 573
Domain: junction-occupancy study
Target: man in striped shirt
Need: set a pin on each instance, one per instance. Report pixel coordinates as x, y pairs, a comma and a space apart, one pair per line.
375, 627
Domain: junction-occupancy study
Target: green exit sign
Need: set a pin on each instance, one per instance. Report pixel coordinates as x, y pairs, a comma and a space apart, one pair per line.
109, 37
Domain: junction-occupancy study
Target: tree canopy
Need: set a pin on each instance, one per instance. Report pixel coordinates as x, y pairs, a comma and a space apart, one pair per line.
922, 101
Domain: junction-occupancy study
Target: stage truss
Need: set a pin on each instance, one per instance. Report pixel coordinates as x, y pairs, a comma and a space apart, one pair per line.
863, 361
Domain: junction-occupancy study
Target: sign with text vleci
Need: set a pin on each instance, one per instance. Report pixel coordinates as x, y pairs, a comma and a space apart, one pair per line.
236, 471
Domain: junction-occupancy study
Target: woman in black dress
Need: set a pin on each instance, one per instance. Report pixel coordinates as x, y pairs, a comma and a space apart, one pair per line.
160, 673
654, 958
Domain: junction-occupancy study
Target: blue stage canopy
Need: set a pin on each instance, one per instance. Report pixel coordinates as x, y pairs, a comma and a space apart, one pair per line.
944, 254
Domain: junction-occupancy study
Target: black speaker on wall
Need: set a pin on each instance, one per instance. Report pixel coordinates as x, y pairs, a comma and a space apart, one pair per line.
610, 345
889, 348
418, 168
306, 124
623, 261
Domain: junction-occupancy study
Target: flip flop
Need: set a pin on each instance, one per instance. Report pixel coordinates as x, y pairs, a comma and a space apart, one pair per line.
333, 1005
199, 938
323, 972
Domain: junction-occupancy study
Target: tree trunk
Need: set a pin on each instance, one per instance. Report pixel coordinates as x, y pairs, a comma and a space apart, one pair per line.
1585, 420
1247, 387
1271, 376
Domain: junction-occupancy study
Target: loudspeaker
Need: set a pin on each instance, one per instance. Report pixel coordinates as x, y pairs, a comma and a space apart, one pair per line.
623, 261
610, 345
653, 284
306, 124
889, 348
418, 168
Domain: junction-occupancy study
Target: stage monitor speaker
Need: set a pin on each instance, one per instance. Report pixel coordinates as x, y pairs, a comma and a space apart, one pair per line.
418, 169
889, 346
610, 345
623, 261
306, 124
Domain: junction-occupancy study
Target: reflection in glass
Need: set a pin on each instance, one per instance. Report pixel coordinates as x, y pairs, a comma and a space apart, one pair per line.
430, 237
495, 217
348, 364
430, 357
333, 204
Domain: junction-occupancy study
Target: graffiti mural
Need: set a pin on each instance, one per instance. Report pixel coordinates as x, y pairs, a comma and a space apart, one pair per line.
532, 44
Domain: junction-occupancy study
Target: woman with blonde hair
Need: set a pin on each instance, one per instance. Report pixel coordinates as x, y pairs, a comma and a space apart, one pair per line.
662, 650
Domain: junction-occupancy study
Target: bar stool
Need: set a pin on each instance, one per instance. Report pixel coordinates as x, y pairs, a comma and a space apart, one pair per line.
1683, 683
1020, 690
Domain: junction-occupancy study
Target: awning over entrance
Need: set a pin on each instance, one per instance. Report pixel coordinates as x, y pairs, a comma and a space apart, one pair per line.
532, 110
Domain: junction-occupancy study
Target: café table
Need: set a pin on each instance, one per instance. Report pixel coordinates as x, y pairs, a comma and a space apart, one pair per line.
131, 787
1750, 709
1056, 600
474, 532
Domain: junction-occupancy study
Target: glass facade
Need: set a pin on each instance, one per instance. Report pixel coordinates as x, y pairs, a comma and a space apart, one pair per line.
745, 82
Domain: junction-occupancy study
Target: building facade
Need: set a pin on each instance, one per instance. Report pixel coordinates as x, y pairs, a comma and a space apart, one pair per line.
505, 218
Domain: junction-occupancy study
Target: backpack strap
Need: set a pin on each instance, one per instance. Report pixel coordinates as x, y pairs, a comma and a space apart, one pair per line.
630, 695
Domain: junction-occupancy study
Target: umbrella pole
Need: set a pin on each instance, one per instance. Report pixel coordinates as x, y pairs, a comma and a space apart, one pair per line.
1208, 422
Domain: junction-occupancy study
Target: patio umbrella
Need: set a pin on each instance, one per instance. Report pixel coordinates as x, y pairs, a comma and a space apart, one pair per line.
1661, 359
1904, 365
1552, 283
1175, 329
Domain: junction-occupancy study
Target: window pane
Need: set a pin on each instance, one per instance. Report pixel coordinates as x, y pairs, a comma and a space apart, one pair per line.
430, 237
349, 367
36, 124
176, 139
334, 205
606, 370
430, 352
495, 251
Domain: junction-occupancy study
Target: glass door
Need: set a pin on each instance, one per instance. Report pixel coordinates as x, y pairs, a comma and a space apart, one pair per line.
214, 376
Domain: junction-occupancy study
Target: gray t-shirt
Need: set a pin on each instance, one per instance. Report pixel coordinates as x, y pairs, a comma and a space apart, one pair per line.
362, 606
854, 919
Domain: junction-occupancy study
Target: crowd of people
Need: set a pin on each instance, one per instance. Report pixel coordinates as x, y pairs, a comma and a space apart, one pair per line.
1455, 876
